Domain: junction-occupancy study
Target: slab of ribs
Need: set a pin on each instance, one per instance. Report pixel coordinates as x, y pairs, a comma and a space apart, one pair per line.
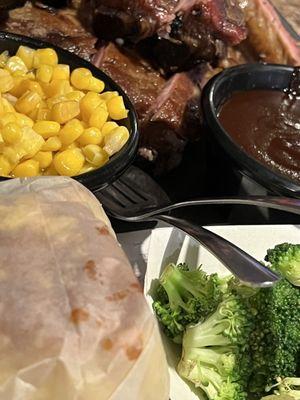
162, 52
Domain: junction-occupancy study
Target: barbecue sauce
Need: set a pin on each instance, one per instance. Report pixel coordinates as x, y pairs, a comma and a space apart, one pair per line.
266, 124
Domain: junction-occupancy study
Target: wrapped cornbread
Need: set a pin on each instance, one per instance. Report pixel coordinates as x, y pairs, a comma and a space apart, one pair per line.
74, 324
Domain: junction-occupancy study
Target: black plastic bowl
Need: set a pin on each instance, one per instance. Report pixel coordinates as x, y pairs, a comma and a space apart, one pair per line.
99, 178
218, 90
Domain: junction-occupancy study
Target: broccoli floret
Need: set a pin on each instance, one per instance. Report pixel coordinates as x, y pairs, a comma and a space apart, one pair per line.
288, 386
215, 354
275, 340
285, 258
184, 297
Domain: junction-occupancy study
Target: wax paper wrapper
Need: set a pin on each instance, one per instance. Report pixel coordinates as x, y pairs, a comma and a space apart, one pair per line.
74, 324
171, 245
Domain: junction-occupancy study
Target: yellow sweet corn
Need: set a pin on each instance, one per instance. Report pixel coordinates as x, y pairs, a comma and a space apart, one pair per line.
44, 159
52, 144
80, 78
7, 118
90, 136
108, 126
26, 54
28, 84
61, 71
44, 73
5, 167
46, 128
11, 133
106, 96
15, 65
65, 111
115, 140
23, 120
86, 168
98, 117
7, 107
95, 155
54, 100
116, 108
30, 142
68, 162
3, 58
16, 90
45, 56
12, 155
88, 104
95, 85
6, 81
26, 168
28, 102
70, 132
76, 95
43, 114
57, 87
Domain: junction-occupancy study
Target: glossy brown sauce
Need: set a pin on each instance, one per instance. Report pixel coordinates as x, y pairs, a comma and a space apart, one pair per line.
266, 124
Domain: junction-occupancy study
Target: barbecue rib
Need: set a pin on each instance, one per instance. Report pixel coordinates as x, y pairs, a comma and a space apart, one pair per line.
168, 111
61, 28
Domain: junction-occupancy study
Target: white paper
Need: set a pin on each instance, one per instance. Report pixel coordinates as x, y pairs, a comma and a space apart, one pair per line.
171, 245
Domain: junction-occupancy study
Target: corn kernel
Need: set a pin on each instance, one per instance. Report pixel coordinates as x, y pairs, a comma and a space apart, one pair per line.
54, 100
3, 58
1, 106
43, 114
70, 132
96, 85
6, 81
61, 71
7, 118
10, 98
52, 144
46, 128
98, 117
30, 142
16, 64
5, 166
26, 54
86, 168
50, 171
65, 111
45, 56
95, 155
80, 78
106, 96
26, 168
76, 95
28, 102
116, 108
108, 126
88, 104
68, 162
12, 155
30, 75
7, 107
44, 73
11, 133
44, 158
57, 87
17, 89
28, 84
90, 136
115, 140
23, 120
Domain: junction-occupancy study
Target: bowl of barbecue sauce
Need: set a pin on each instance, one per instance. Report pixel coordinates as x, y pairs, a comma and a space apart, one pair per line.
254, 113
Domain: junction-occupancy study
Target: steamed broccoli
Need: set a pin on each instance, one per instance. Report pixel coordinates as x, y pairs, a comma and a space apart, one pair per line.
275, 339
215, 355
184, 297
288, 386
285, 258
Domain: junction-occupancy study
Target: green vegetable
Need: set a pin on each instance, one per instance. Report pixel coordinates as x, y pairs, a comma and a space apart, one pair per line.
275, 339
285, 258
288, 387
215, 355
184, 297
277, 397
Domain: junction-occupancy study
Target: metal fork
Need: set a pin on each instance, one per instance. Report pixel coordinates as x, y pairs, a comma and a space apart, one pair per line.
135, 197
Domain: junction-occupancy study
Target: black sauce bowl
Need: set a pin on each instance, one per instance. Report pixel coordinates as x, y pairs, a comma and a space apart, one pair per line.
218, 90
99, 178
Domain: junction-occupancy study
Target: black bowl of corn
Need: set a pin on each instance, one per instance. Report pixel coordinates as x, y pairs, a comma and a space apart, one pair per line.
60, 115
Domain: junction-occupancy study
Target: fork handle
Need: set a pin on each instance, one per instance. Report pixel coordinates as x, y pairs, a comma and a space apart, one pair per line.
242, 265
